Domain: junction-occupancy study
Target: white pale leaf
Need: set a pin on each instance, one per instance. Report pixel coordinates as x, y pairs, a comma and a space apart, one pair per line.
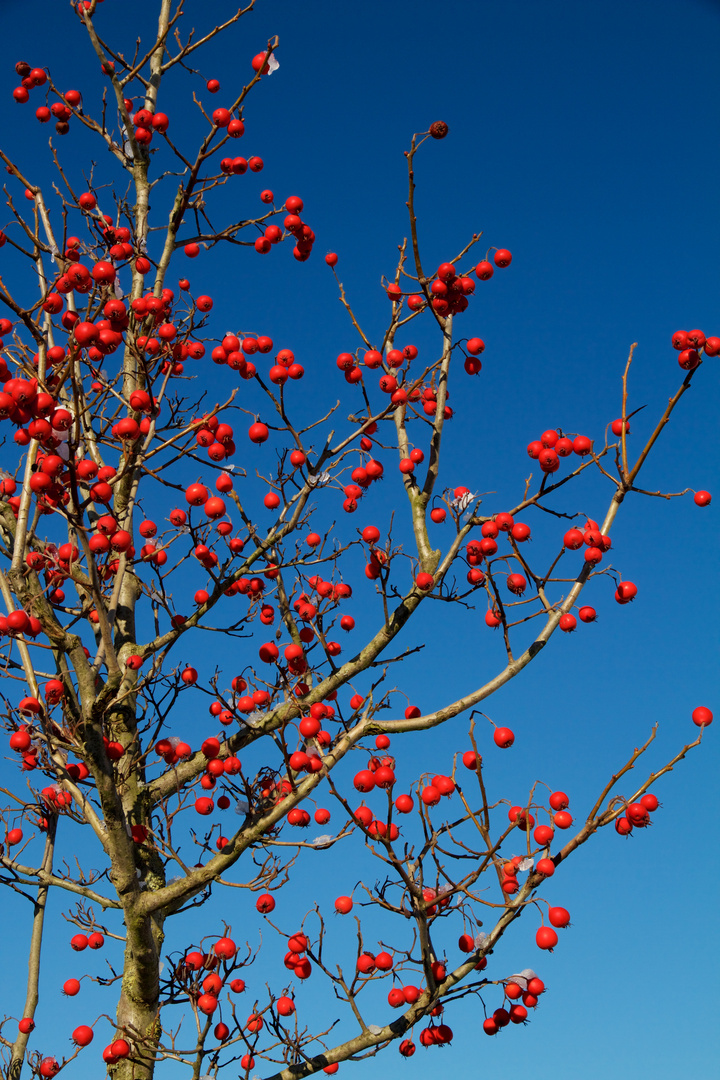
460, 505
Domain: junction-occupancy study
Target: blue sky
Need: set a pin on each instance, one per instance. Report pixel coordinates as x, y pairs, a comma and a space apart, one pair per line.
582, 138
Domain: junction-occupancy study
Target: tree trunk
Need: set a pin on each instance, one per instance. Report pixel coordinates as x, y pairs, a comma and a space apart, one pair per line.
137, 1013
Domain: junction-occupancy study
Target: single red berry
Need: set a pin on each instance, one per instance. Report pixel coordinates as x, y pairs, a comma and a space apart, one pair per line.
702, 716
689, 359
559, 916
503, 737
546, 938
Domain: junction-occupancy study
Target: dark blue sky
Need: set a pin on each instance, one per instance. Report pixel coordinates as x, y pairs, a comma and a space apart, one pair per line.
583, 137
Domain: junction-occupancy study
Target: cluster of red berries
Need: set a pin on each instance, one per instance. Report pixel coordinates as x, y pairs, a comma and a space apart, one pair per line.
637, 815
391, 363
102, 337
439, 1035
552, 445
478, 550
62, 110
690, 343
146, 123
527, 989
80, 942
234, 352
376, 827
449, 291
391, 384
440, 786
238, 166
596, 543
197, 972
362, 477
218, 439
293, 223
33, 411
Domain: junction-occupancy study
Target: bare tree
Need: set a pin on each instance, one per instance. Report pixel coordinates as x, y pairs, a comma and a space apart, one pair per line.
100, 388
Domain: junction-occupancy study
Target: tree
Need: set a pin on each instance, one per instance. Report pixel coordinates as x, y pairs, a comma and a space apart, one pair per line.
109, 516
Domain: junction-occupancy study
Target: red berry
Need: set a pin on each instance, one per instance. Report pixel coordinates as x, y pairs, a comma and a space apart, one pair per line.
702, 716
546, 938
559, 916
689, 359
503, 737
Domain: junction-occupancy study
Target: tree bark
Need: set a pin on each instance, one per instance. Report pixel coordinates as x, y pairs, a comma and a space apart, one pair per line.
137, 1017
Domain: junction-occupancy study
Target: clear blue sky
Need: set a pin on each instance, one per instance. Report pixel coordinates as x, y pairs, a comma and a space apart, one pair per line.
583, 137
